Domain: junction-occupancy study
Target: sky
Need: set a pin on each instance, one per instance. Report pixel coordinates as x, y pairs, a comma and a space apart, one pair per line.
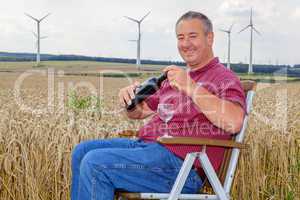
98, 28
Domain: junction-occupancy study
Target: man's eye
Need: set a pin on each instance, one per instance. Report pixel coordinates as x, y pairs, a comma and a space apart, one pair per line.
193, 36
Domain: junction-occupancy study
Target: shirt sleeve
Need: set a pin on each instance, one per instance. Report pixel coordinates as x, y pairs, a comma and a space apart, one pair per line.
230, 89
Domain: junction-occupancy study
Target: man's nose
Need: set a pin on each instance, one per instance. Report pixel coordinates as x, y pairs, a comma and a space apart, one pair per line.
185, 42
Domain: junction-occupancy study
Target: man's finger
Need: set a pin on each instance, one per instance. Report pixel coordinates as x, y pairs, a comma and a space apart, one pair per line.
174, 84
121, 99
136, 83
171, 67
127, 98
131, 92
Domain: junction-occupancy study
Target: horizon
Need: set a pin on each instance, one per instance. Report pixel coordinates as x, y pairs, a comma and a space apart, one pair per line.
157, 60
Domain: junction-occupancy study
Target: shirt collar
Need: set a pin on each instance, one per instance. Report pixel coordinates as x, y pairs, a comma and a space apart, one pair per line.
209, 65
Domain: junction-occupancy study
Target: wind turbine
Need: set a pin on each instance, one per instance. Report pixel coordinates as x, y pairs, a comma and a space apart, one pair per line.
250, 69
138, 58
38, 21
229, 34
36, 36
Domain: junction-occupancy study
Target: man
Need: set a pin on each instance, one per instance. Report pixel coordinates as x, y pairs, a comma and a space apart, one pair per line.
209, 103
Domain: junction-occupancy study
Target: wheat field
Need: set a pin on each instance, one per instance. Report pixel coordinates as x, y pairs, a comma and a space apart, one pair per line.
35, 144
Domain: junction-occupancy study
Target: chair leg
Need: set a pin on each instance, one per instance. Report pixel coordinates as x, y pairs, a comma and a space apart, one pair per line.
182, 176
212, 176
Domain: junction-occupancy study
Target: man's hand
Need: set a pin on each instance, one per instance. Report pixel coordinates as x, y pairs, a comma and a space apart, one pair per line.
126, 94
142, 110
180, 79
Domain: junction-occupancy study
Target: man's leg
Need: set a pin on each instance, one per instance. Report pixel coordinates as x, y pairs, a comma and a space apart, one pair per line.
148, 167
83, 148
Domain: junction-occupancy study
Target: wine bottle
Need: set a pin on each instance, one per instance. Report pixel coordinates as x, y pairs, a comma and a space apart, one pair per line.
147, 88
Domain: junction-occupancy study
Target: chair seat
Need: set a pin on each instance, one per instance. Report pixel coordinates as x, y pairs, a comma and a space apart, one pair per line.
138, 196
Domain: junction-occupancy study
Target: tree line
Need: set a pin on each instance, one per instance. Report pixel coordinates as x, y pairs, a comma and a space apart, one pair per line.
236, 67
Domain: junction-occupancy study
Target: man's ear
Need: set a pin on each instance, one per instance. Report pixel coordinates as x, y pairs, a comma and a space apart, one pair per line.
210, 38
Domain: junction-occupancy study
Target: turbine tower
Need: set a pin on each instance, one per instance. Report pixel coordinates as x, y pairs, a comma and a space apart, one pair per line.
38, 21
250, 69
138, 57
229, 34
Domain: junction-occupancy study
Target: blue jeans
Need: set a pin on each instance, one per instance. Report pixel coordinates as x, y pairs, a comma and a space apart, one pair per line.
100, 167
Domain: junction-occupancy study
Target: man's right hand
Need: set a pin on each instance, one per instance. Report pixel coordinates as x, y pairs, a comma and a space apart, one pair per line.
126, 94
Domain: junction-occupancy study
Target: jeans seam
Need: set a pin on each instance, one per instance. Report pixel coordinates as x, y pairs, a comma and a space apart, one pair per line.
142, 167
93, 186
133, 167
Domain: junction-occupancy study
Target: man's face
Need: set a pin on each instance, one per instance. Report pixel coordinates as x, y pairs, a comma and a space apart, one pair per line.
193, 44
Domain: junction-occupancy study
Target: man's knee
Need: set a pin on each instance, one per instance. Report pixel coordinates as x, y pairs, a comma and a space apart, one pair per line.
78, 153
99, 160
96, 165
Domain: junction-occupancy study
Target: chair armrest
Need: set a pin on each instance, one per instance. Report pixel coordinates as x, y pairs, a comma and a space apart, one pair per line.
128, 133
201, 141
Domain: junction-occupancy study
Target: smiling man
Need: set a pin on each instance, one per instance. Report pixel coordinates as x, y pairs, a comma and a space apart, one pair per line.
209, 102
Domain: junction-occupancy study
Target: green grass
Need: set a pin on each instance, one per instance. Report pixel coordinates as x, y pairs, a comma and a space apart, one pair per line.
269, 78
65, 65
76, 102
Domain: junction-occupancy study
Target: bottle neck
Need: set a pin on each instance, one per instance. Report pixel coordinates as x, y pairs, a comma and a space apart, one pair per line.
161, 78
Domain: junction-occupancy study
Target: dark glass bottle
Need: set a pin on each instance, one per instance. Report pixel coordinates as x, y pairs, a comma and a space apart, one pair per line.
147, 88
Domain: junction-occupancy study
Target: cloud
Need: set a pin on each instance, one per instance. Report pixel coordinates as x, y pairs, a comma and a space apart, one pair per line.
295, 15
241, 8
97, 27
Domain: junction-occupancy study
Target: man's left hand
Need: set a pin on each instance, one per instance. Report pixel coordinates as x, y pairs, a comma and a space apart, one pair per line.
179, 79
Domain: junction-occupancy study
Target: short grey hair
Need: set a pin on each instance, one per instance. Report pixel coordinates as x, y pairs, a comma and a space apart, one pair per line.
208, 27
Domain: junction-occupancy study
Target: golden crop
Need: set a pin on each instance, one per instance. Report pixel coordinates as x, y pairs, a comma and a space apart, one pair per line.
35, 148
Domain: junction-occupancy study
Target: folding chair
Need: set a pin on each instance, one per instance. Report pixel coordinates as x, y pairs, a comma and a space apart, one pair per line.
221, 181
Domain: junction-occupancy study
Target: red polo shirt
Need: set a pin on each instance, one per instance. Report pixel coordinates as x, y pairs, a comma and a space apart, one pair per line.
188, 120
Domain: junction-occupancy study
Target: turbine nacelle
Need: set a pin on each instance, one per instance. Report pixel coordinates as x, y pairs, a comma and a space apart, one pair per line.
35, 19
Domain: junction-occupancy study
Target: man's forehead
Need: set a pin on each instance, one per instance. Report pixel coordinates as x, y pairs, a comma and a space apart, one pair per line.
189, 26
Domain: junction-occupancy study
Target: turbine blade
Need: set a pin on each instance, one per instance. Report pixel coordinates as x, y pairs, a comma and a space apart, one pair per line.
244, 29
256, 31
132, 40
44, 17
31, 17
223, 30
145, 16
132, 19
231, 26
44, 37
251, 14
34, 34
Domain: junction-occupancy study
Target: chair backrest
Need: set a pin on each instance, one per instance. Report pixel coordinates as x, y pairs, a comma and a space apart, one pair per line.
227, 170
249, 89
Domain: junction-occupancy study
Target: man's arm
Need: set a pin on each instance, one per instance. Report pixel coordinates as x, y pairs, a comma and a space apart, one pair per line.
222, 113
